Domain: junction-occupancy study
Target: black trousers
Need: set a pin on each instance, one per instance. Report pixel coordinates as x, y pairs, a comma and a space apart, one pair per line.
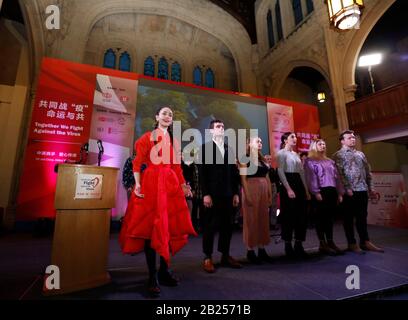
219, 218
325, 211
293, 211
355, 207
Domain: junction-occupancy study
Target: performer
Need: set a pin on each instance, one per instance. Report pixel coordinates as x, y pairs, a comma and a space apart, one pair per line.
355, 175
219, 178
324, 184
157, 218
293, 196
256, 199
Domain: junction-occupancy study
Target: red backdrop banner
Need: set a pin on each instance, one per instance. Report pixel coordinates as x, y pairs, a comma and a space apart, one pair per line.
284, 115
60, 124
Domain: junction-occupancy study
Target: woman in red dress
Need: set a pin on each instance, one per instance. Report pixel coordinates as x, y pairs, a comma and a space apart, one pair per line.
157, 218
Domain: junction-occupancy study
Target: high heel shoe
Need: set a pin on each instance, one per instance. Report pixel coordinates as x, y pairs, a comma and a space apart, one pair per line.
263, 256
252, 258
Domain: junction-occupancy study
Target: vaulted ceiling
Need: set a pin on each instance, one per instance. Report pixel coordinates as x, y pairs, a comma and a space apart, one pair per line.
242, 10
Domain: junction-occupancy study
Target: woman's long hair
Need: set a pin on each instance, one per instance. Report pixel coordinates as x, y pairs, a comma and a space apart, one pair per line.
284, 137
313, 153
248, 151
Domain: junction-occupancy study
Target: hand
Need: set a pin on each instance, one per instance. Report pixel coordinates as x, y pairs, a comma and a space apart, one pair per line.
349, 192
291, 194
248, 200
269, 200
137, 191
187, 191
318, 196
340, 198
308, 196
207, 201
372, 193
235, 201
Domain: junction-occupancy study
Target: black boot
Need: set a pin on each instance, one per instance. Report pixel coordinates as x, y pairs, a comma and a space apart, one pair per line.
289, 250
153, 287
300, 251
165, 276
263, 256
252, 258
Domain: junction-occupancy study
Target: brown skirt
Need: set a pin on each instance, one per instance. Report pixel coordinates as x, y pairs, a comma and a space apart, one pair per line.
256, 217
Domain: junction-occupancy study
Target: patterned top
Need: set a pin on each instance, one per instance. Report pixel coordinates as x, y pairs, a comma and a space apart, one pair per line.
354, 170
322, 173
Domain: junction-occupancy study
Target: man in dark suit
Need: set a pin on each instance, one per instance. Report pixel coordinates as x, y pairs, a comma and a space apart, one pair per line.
219, 178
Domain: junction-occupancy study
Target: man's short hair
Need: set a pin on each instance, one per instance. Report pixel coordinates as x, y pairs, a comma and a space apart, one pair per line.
214, 122
341, 136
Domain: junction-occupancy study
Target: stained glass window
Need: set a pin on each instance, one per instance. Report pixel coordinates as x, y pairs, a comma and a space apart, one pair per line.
176, 71
149, 67
198, 76
124, 62
163, 72
109, 60
209, 78
271, 38
297, 11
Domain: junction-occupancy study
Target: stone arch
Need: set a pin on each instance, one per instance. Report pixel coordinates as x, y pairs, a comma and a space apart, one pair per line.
276, 88
357, 42
237, 42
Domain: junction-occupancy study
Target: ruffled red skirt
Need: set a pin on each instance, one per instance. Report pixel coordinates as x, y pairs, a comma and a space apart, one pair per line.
161, 216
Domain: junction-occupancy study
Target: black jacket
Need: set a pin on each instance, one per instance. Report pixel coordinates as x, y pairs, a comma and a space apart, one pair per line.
218, 180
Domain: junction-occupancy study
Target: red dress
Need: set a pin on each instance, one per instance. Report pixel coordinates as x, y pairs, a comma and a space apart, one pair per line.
162, 215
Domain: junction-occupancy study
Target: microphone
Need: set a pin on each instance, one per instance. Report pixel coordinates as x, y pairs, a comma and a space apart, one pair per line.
101, 150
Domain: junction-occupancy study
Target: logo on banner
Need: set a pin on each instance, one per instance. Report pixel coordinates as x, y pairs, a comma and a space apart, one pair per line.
124, 98
106, 95
89, 186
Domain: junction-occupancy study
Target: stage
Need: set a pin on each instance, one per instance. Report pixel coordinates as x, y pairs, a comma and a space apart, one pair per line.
382, 275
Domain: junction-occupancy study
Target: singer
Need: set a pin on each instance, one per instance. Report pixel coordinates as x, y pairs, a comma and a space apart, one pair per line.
157, 218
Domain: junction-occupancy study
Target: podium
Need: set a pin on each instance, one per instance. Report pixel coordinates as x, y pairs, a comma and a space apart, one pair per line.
83, 199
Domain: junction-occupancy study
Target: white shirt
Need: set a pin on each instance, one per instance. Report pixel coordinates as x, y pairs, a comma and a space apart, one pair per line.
289, 161
220, 146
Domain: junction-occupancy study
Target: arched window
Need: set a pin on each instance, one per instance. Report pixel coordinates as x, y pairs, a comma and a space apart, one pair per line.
175, 71
297, 11
124, 62
209, 78
309, 6
109, 60
149, 67
271, 38
163, 72
278, 21
198, 76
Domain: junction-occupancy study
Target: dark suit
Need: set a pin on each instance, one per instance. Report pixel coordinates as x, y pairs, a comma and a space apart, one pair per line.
220, 180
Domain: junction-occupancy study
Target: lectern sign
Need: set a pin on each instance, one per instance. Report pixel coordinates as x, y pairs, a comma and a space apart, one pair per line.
89, 186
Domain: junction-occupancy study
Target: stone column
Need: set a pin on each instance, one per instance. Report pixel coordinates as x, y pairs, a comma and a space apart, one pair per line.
334, 49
